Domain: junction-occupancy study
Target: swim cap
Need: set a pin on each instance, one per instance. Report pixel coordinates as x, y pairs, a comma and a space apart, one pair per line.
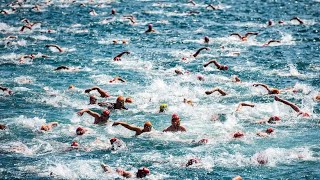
113, 140
175, 116
203, 141
206, 39
147, 123
120, 98
129, 100
163, 107
106, 112
74, 143
238, 134
80, 131
269, 130
149, 25
275, 91
276, 118
225, 67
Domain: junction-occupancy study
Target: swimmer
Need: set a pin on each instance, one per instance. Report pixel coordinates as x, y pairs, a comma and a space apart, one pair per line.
179, 72
192, 162
55, 46
129, 100
216, 89
219, 66
24, 27
117, 144
98, 118
206, 40
119, 104
317, 97
262, 158
270, 23
141, 173
244, 104
270, 90
265, 133
81, 131
188, 101
293, 106
271, 120
92, 99
192, 2
118, 78
271, 41
201, 142
3, 127
236, 79
199, 50
175, 125
237, 178
298, 19
245, 37
113, 11
238, 134
150, 29
163, 108
49, 126
102, 92
5, 89
146, 128
62, 68
22, 59
213, 7
118, 57
131, 18
200, 77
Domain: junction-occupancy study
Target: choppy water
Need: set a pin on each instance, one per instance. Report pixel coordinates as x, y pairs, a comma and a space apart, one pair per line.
41, 95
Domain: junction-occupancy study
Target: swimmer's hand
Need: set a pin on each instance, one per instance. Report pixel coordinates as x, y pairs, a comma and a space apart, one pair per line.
80, 113
208, 92
87, 90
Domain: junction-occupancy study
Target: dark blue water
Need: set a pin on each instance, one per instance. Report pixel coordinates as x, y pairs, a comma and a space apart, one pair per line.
41, 94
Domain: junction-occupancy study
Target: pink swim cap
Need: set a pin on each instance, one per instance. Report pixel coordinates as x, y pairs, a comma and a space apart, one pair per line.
106, 112
277, 118
269, 130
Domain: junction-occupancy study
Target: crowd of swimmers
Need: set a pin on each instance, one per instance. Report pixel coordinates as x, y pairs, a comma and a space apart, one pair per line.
103, 117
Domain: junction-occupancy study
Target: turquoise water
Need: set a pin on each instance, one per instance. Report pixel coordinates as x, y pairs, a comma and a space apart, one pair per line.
41, 94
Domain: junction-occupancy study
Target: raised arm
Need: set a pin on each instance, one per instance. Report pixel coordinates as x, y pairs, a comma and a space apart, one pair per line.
292, 105
244, 104
118, 57
91, 113
250, 33
130, 127
298, 19
262, 85
199, 50
236, 34
55, 46
223, 93
100, 91
5, 89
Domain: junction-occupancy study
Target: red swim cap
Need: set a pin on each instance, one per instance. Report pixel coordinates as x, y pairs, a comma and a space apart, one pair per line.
175, 116
106, 112
203, 141
269, 130
128, 100
74, 143
238, 134
113, 140
276, 118
80, 131
225, 67
120, 98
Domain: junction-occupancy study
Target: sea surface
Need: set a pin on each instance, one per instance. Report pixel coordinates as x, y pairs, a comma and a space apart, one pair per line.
41, 95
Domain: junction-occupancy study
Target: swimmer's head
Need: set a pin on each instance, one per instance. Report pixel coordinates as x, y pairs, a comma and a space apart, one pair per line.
237, 178
142, 172
225, 67
269, 130
80, 131
203, 141
147, 126
206, 39
71, 86
276, 118
192, 161
93, 99
275, 91
175, 116
238, 135
45, 128
163, 107
150, 26
128, 100
120, 99
112, 140
3, 127
74, 144
175, 120
113, 11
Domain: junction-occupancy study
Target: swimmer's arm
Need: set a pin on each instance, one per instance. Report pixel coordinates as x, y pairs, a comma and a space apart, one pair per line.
208, 63
197, 53
244, 104
94, 114
130, 127
6, 89
216, 89
100, 91
262, 85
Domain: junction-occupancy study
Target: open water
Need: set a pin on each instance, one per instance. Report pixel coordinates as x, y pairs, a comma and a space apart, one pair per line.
41, 94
